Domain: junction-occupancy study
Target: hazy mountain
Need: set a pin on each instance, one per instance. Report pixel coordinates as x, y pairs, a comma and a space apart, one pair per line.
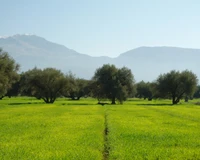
146, 63
149, 62
30, 51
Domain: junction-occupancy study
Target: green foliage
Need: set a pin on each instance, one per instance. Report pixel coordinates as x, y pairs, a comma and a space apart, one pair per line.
76, 87
46, 84
14, 90
197, 92
8, 72
176, 85
113, 83
144, 90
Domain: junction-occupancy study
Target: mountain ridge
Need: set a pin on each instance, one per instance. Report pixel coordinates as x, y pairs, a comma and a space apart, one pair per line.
145, 62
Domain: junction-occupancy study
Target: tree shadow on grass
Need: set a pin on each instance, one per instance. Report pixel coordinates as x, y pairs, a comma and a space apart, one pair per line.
159, 104
25, 103
135, 100
75, 104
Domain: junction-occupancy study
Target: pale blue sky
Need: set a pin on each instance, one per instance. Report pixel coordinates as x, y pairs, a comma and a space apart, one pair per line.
105, 27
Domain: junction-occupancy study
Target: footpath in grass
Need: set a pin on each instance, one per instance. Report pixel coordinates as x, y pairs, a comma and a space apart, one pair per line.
154, 131
34, 130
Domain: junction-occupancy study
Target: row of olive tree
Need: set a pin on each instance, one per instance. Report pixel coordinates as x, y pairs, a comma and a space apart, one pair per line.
49, 83
108, 83
174, 85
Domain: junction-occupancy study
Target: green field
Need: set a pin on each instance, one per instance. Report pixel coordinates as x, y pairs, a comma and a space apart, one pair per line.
31, 129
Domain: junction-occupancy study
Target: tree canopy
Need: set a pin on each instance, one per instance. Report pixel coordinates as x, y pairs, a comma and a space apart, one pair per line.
108, 83
176, 85
8, 72
113, 83
46, 84
76, 87
197, 92
144, 90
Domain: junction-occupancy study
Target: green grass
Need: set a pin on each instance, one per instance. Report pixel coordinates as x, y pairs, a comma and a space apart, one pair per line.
154, 131
50, 131
31, 129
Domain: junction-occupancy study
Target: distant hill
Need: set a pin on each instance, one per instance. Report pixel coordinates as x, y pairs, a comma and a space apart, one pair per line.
149, 62
30, 51
146, 63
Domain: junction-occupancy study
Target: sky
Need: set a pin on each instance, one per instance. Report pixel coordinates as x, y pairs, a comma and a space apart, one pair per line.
105, 27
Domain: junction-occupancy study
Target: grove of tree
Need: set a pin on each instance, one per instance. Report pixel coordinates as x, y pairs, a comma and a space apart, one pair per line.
108, 83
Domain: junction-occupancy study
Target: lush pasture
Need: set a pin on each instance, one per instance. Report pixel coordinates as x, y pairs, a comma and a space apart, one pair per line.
154, 131
50, 131
30, 129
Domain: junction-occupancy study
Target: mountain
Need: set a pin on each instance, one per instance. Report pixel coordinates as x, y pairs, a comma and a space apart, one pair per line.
31, 51
149, 62
146, 63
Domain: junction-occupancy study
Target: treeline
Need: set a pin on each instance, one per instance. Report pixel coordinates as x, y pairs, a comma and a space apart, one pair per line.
174, 85
108, 83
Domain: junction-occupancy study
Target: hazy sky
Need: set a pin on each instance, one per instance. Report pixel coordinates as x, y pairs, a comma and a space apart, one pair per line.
105, 27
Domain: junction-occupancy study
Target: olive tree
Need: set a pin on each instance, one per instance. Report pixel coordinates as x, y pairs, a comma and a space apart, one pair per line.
197, 92
46, 84
8, 72
113, 83
144, 90
176, 85
76, 87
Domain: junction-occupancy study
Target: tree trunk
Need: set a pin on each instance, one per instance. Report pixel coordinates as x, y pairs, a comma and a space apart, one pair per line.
113, 100
2, 97
186, 99
49, 100
72, 97
174, 100
52, 100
